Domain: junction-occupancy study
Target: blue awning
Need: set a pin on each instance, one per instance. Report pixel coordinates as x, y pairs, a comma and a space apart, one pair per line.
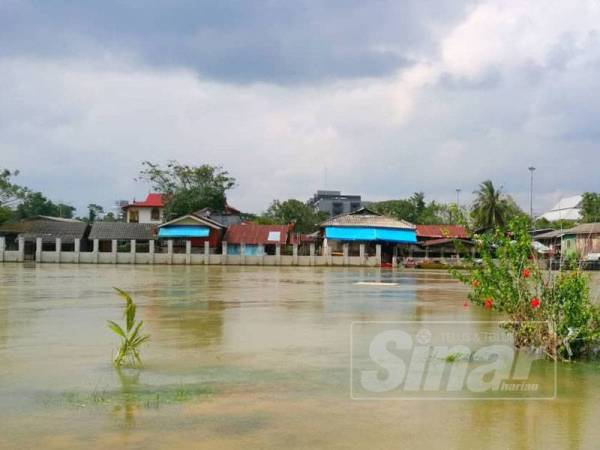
371, 234
183, 231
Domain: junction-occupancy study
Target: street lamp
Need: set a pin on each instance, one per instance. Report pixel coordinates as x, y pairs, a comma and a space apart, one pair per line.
531, 170
458, 197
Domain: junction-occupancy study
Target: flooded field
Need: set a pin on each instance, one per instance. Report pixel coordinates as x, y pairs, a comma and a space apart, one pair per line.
244, 357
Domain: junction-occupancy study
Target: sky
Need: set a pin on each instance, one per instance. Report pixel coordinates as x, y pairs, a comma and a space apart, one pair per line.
380, 98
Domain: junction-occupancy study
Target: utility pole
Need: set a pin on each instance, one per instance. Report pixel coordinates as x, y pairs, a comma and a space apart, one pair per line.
458, 198
531, 170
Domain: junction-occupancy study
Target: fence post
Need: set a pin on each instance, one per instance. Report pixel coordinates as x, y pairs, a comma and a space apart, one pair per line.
170, 251
278, 254
38, 249
206, 259
361, 252
224, 252
133, 250
242, 253
2, 247
114, 251
312, 253
95, 251
295, 254
151, 250
21, 255
378, 254
58, 248
188, 252
76, 250
346, 252
261, 250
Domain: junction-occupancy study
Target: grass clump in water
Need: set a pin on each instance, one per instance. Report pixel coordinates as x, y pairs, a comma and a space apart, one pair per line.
131, 339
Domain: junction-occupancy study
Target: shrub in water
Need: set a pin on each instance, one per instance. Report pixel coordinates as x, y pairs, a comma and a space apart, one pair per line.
548, 310
131, 337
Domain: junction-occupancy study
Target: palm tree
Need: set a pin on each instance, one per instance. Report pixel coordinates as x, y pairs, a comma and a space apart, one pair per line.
490, 207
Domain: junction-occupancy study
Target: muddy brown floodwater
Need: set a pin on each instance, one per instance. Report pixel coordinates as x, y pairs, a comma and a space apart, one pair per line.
244, 357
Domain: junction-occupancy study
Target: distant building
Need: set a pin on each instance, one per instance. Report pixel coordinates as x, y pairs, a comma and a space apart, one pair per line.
567, 209
149, 211
334, 203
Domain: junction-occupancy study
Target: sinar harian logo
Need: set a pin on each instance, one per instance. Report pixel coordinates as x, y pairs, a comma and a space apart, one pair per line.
445, 360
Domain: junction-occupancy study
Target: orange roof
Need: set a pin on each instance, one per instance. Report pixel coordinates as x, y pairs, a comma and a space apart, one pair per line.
152, 201
442, 231
254, 234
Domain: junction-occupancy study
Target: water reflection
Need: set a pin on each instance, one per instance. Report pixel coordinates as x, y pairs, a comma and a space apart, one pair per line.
274, 345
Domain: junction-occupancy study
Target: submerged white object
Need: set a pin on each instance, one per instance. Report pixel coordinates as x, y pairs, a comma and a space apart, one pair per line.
375, 283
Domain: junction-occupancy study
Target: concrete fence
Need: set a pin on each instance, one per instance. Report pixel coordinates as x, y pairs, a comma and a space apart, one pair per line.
170, 257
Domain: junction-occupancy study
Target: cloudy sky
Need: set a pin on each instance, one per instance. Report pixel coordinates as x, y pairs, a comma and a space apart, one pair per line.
391, 97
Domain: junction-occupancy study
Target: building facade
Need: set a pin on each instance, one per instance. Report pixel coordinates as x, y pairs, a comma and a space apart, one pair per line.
335, 203
151, 210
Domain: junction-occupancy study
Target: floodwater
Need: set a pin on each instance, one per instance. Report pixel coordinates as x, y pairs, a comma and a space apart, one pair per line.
245, 357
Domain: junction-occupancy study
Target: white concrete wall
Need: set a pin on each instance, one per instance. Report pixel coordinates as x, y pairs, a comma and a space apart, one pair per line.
113, 257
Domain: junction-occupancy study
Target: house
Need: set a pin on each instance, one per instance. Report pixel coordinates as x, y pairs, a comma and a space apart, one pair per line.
123, 233
151, 210
582, 240
257, 239
440, 241
566, 209
370, 228
334, 203
48, 229
194, 227
227, 217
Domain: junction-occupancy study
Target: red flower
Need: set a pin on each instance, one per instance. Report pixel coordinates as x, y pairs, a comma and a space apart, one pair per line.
525, 273
466, 304
488, 303
475, 284
535, 303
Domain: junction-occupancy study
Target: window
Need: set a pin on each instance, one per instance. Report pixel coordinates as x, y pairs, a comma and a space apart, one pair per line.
134, 216
274, 236
338, 208
155, 214
354, 206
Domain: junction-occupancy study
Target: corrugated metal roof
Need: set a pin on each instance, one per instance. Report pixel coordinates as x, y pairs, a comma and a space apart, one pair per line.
364, 217
442, 231
584, 228
152, 201
566, 209
254, 234
122, 231
48, 228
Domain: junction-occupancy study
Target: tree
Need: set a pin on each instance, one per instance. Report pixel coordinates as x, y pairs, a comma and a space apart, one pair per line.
10, 194
590, 207
94, 211
35, 204
416, 210
302, 215
188, 188
492, 208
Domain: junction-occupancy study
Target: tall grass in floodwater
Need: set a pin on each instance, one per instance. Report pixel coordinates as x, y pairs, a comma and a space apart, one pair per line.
131, 339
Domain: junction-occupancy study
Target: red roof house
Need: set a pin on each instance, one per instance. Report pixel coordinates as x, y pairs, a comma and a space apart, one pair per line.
148, 211
426, 232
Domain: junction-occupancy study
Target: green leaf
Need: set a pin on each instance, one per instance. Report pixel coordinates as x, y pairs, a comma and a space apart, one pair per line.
116, 329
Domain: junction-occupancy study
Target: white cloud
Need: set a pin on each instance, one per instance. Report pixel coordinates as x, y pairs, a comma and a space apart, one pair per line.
79, 129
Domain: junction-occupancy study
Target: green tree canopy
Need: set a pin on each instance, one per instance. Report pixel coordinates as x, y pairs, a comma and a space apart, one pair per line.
188, 188
35, 204
416, 210
590, 207
302, 215
94, 211
492, 208
10, 194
